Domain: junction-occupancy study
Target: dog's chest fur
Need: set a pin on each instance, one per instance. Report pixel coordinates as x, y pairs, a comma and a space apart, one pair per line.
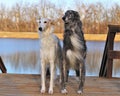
73, 46
48, 47
48, 42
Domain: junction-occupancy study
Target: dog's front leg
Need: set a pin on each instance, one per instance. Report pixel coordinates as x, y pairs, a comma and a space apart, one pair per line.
82, 78
43, 77
52, 73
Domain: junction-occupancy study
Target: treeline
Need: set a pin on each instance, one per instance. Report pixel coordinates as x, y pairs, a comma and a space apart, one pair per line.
22, 17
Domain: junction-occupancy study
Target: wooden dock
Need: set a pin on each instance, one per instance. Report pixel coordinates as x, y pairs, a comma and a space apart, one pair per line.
29, 85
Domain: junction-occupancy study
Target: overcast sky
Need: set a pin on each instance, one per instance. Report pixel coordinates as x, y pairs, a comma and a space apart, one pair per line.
66, 4
11, 2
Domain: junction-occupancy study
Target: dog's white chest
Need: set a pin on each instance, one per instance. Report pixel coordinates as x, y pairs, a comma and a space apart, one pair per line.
71, 57
46, 43
48, 48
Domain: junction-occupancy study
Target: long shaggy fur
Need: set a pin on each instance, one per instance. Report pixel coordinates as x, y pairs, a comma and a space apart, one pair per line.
50, 52
74, 48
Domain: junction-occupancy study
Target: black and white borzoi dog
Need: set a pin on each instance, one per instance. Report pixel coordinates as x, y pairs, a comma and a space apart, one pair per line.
74, 48
50, 52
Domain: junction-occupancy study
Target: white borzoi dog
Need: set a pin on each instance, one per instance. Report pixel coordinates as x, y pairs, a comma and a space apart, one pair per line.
50, 52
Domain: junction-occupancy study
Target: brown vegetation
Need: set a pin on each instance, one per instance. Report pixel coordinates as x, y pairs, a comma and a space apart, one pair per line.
22, 17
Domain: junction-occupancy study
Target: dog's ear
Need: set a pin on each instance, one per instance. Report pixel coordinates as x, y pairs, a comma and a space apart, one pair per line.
52, 22
38, 19
77, 16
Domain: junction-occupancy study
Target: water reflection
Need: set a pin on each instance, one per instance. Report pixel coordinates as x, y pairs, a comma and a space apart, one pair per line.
22, 62
22, 56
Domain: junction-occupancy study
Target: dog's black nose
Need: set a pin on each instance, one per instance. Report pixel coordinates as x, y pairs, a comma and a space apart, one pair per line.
63, 18
40, 28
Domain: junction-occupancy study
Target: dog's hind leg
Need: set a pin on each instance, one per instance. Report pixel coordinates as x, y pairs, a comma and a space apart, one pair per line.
77, 72
67, 74
64, 78
81, 78
62, 75
66, 66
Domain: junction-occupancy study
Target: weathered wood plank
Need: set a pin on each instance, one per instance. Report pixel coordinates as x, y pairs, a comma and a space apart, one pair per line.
109, 63
114, 28
29, 85
114, 54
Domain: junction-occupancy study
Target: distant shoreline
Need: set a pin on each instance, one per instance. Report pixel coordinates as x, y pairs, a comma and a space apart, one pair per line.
34, 35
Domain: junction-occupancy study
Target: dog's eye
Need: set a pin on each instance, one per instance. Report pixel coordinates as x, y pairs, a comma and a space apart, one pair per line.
45, 22
39, 21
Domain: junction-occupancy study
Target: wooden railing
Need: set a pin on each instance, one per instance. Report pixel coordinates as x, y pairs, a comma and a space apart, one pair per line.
109, 53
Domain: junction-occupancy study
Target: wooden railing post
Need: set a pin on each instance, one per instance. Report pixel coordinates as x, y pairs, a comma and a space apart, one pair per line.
2, 66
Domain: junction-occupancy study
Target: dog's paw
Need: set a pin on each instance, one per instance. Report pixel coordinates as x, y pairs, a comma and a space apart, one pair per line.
50, 91
79, 91
64, 91
42, 91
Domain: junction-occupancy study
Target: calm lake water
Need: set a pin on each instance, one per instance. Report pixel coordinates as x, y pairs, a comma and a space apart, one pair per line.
21, 56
